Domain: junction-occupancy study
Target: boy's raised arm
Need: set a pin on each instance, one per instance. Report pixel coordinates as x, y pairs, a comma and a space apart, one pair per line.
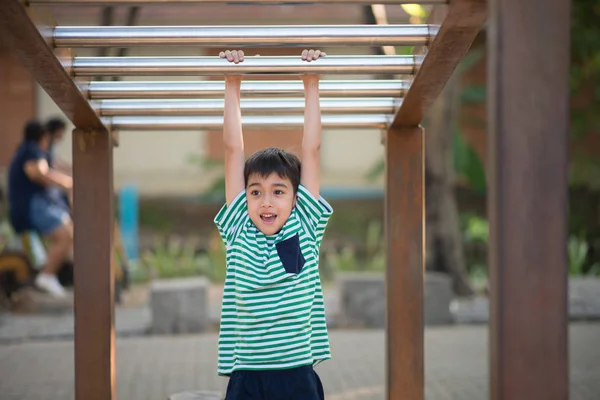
233, 139
311, 139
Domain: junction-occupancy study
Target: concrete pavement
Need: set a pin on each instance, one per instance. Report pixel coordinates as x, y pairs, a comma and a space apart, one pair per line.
153, 367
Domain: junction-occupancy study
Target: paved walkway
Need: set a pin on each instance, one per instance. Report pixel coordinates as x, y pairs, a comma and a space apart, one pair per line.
152, 367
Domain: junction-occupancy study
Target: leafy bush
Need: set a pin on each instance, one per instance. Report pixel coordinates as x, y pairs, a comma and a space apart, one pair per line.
175, 258
351, 259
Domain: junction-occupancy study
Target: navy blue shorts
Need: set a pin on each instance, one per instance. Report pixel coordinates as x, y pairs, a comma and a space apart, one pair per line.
301, 383
46, 216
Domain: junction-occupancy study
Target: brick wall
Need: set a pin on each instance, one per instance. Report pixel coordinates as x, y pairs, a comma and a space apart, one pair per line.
17, 103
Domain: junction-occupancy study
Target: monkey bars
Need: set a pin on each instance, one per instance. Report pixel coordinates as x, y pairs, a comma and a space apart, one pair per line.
182, 66
122, 123
239, 36
97, 90
225, 2
280, 106
527, 326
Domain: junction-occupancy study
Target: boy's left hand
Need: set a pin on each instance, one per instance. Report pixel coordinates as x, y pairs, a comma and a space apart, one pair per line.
308, 56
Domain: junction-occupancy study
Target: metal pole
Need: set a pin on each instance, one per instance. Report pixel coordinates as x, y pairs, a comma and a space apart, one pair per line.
249, 121
206, 89
226, 36
191, 107
245, 2
169, 66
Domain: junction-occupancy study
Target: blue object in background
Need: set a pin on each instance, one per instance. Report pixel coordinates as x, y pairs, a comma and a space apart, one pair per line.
128, 220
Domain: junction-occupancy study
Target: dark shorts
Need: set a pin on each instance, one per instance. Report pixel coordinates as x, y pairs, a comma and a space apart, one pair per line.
45, 215
300, 383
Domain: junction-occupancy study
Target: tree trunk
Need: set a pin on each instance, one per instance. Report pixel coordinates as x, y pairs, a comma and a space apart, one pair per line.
443, 235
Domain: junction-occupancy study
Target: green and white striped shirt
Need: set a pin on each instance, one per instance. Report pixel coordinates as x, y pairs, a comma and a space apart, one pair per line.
273, 314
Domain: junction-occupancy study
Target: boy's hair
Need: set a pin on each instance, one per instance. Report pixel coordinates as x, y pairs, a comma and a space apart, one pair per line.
266, 161
55, 124
34, 131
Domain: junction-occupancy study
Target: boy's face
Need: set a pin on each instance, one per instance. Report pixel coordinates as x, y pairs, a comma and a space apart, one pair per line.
270, 201
44, 142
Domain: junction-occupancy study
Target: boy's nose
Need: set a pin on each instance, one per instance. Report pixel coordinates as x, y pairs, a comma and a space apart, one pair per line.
266, 202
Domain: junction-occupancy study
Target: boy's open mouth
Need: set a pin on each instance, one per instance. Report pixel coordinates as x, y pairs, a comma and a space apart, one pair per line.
268, 218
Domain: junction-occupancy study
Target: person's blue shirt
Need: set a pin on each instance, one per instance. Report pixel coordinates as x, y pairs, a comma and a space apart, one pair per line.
21, 189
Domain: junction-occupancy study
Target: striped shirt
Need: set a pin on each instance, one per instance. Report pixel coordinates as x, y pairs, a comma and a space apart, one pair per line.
273, 314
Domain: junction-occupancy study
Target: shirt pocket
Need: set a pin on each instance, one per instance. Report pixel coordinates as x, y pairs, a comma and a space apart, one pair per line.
290, 254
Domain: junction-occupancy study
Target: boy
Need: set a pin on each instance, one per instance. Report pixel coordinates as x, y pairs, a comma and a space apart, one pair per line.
33, 207
273, 328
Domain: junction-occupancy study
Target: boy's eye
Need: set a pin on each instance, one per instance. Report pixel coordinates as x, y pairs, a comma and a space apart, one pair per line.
279, 192
255, 193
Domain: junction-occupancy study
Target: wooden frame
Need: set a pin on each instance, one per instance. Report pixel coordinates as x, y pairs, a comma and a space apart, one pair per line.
405, 196
515, 334
93, 204
528, 119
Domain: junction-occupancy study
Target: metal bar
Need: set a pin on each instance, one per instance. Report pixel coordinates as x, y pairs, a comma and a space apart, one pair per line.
132, 17
94, 290
460, 22
405, 229
20, 35
206, 89
249, 121
238, 36
191, 107
224, 2
528, 114
161, 66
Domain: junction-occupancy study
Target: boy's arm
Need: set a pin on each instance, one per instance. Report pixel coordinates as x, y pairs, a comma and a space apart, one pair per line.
232, 131
39, 171
311, 139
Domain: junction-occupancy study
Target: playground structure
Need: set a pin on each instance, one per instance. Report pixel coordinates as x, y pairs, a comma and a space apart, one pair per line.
528, 128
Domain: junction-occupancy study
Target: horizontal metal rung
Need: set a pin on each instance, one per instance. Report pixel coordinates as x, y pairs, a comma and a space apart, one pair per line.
208, 89
238, 36
249, 121
191, 107
156, 66
228, 2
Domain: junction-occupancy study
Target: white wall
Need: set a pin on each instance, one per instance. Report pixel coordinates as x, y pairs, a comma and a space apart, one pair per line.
157, 161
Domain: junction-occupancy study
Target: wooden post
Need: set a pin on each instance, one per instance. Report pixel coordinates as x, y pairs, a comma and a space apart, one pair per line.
94, 283
405, 234
528, 100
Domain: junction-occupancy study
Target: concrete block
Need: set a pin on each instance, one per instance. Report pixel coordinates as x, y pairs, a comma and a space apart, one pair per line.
584, 298
179, 305
362, 299
584, 303
438, 295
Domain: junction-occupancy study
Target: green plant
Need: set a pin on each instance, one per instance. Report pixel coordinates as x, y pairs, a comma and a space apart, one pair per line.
578, 249
180, 258
475, 228
349, 258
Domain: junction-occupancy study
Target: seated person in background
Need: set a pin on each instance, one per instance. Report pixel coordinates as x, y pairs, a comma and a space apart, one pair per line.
33, 207
56, 127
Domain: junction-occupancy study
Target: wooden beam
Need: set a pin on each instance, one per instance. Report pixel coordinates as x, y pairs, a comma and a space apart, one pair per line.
405, 233
528, 120
19, 33
94, 273
460, 22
